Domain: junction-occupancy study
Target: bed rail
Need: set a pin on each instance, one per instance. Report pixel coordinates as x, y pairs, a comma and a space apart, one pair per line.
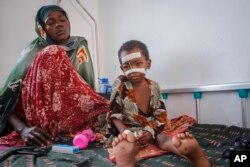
242, 89
209, 88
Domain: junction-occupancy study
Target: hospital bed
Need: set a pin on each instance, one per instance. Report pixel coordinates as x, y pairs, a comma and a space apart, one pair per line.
213, 138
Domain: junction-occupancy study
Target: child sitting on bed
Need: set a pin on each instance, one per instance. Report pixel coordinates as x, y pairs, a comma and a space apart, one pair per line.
138, 116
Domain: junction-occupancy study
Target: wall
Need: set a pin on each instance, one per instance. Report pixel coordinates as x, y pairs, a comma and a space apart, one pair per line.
194, 42
16, 30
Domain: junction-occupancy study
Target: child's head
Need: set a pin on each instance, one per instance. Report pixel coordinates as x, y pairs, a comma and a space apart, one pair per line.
134, 58
132, 44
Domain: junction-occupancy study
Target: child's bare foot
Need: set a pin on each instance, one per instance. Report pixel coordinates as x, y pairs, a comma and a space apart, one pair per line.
188, 147
125, 149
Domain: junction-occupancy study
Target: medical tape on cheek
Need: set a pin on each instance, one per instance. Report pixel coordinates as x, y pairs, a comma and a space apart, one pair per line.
140, 70
130, 57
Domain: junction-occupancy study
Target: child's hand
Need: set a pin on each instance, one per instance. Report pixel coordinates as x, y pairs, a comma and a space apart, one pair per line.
145, 138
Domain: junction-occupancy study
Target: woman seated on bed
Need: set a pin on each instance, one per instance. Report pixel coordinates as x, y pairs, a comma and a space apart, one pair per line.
50, 92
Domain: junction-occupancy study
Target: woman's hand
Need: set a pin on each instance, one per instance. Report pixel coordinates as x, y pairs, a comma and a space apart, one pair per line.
33, 135
36, 136
145, 138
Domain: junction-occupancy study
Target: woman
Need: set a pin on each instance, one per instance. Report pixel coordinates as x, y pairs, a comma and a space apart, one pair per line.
50, 92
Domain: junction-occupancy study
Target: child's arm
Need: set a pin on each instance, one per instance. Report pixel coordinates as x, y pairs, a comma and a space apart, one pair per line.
159, 116
118, 124
145, 138
115, 115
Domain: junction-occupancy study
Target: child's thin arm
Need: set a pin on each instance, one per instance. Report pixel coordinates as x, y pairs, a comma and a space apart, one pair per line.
119, 125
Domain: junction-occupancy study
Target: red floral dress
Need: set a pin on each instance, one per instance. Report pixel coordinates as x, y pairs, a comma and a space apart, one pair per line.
56, 98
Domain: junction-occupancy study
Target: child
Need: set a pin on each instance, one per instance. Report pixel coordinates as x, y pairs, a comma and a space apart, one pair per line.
138, 116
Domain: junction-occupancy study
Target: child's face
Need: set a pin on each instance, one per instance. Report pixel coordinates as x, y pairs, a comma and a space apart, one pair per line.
134, 64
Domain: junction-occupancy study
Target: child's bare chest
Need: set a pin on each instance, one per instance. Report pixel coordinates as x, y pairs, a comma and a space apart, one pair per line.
142, 97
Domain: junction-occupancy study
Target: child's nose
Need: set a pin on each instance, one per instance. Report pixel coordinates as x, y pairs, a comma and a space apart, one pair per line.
133, 66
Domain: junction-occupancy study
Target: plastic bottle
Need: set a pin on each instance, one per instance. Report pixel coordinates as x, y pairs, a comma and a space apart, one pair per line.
83, 138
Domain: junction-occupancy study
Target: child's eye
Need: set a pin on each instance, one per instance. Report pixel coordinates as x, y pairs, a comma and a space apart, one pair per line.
139, 63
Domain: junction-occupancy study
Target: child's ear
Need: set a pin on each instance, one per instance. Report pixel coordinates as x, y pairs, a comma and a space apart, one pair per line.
148, 63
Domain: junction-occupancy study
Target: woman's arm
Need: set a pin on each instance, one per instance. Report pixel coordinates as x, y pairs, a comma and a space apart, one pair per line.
16, 123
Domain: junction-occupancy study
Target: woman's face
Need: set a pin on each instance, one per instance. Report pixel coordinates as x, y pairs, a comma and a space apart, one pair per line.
58, 27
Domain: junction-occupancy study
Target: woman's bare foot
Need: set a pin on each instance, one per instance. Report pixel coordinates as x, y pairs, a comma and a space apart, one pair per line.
188, 147
125, 149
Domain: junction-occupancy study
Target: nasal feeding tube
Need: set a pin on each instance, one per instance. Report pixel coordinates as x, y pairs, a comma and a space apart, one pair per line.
132, 70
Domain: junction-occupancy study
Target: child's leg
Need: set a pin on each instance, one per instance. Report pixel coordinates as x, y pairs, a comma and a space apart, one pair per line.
184, 145
125, 149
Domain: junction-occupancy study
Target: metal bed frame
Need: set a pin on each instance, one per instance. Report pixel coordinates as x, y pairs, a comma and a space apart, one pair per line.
241, 88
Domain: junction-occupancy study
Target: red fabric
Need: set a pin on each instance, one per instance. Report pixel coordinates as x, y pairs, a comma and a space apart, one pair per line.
55, 97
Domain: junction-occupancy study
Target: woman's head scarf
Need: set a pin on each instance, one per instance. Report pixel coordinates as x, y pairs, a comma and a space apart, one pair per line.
41, 16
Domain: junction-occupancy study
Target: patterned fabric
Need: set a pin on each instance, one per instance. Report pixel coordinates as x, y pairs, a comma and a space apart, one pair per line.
124, 107
56, 98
